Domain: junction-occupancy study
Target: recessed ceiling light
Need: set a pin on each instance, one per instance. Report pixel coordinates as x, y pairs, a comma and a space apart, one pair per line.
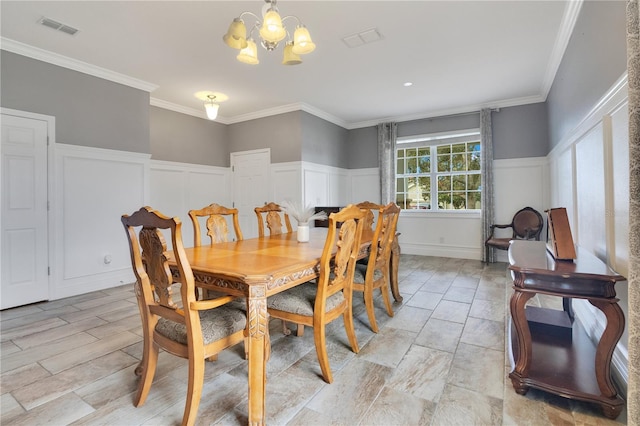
407, 84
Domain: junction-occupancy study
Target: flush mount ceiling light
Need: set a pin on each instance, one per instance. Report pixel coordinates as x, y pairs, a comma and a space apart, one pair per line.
271, 31
211, 102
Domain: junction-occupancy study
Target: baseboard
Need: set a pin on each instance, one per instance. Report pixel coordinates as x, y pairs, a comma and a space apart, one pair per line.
89, 283
441, 250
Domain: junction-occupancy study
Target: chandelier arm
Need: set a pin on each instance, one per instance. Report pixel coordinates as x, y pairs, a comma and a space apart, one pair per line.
292, 16
257, 18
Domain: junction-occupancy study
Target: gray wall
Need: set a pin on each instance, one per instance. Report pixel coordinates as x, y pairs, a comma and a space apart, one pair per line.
439, 124
362, 148
520, 132
282, 133
595, 58
89, 111
187, 139
323, 142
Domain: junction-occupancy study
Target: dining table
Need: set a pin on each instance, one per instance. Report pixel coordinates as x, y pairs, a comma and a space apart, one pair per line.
255, 269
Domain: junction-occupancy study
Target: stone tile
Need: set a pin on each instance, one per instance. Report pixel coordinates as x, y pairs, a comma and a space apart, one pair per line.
409, 318
62, 411
361, 382
422, 373
8, 347
118, 326
121, 411
26, 320
437, 285
22, 311
463, 407
460, 294
9, 408
53, 387
425, 300
465, 282
484, 333
397, 408
88, 352
39, 353
98, 310
488, 309
440, 334
65, 330
478, 369
28, 329
15, 379
451, 311
388, 348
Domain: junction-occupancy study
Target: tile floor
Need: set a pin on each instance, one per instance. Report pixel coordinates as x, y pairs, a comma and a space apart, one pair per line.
439, 361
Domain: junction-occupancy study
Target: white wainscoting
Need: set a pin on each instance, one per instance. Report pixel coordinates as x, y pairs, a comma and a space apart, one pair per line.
93, 188
590, 177
177, 188
519, 183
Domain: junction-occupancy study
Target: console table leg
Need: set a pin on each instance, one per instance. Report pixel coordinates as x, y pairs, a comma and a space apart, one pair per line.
606, 346
522, 350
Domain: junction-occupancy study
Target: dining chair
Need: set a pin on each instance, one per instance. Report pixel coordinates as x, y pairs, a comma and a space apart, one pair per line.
526, 224
375, 273
272, 214
317, 303
370, 208
216, 223
185, 327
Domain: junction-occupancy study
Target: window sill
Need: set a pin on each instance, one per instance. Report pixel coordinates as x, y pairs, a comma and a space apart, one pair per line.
449, 214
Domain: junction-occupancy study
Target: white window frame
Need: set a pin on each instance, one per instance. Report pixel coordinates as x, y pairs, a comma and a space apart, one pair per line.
432, 140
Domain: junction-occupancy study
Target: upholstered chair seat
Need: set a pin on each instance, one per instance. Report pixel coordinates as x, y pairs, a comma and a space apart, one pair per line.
301, 300
215, 324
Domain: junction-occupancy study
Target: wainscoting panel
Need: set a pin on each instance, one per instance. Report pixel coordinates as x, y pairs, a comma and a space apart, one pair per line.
93, 188
177, 188
441, 235
286, 182
591, 179
519, 183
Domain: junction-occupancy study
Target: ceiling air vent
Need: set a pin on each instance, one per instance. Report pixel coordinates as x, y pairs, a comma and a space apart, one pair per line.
47, 22
363, 37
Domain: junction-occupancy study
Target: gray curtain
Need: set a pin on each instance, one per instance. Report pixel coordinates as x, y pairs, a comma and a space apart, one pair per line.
387, 134
486, 142
633, 69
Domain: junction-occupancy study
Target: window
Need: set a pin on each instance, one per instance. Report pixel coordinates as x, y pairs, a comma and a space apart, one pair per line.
439, 172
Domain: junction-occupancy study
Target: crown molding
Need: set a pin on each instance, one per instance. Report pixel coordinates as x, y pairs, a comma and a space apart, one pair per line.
185, 110
63, 61
569, 18
452, 111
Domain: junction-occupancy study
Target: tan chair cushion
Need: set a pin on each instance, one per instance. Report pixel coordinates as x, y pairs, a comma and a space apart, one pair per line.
216, 324
300, 300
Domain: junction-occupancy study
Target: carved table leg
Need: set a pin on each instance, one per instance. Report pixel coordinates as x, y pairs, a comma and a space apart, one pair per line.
394, 263
522, 351
258, 352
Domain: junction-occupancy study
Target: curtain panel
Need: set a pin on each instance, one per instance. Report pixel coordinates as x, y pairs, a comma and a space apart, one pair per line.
633, 70
486, 181
387, 135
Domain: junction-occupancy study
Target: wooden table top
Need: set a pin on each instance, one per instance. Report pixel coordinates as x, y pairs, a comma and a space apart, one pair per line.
262, 260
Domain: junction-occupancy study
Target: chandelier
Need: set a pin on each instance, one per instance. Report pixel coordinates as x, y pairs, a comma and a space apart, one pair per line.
271, 32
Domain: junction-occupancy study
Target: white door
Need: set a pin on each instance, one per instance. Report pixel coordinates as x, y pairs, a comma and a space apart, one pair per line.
24, 212
250, 187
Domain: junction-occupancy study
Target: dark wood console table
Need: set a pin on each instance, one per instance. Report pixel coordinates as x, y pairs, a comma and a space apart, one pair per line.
549, 350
